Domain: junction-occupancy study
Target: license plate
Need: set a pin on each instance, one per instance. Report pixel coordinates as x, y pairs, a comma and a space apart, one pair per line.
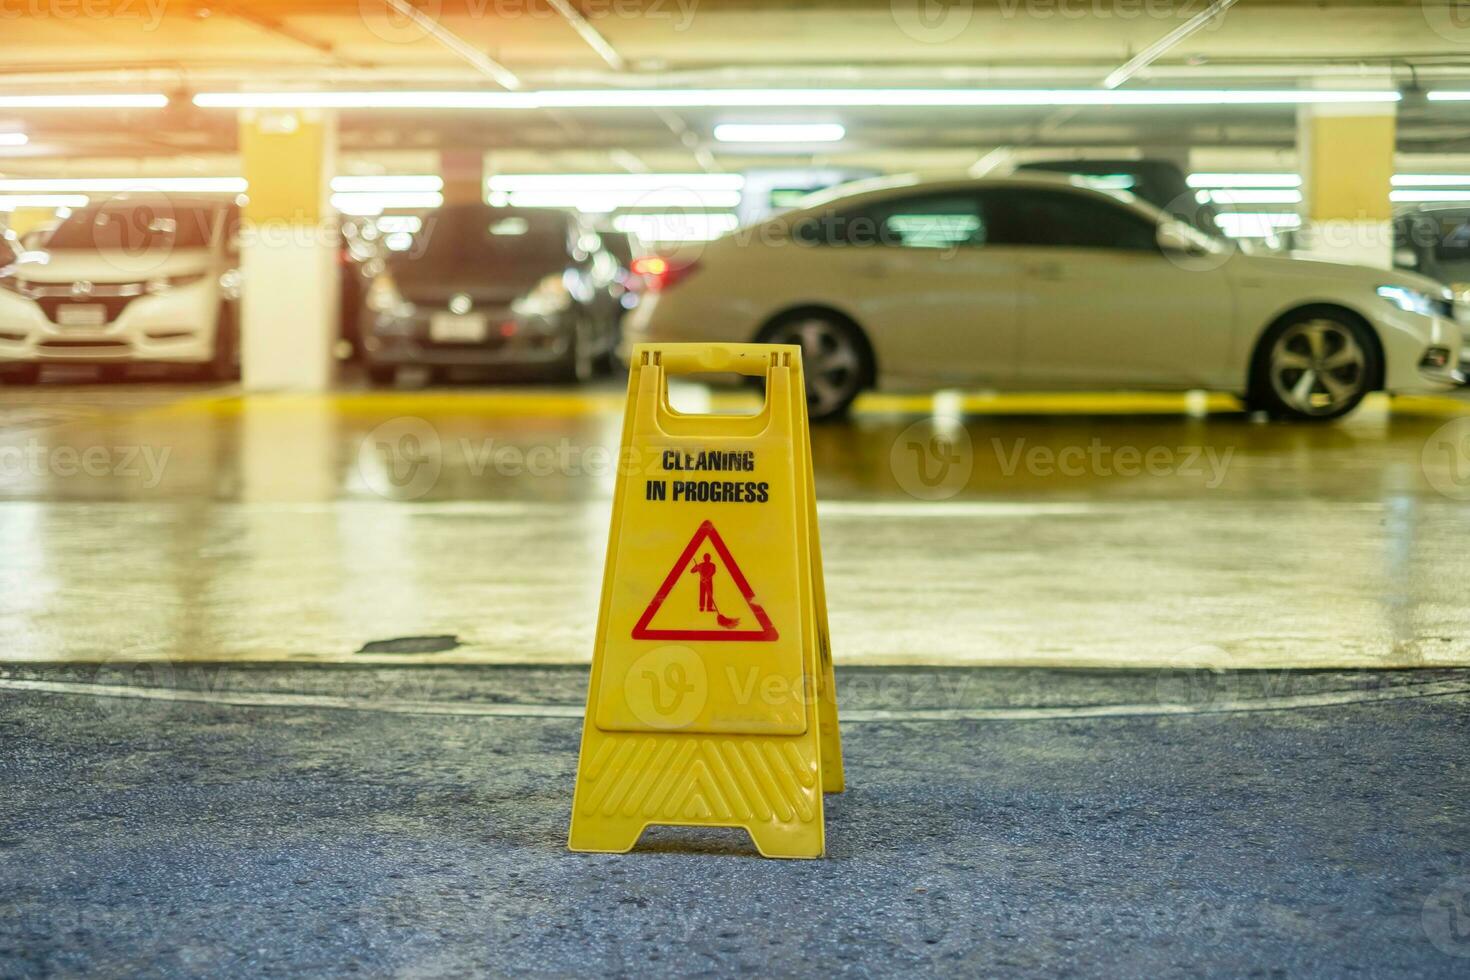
82, 315
455, 328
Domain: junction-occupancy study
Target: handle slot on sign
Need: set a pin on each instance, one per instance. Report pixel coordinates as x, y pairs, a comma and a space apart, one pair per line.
749, 360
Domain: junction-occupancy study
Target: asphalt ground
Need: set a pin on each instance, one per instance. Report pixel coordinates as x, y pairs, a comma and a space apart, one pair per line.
173, 819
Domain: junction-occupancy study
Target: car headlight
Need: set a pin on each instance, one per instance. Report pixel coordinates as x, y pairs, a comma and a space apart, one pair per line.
383, 297
548, 297
164, 284
1414, 301
230, 284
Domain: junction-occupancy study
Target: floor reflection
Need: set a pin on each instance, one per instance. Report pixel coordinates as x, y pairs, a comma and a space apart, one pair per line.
189, 524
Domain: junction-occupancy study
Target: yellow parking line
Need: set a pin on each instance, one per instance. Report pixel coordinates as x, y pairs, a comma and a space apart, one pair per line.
1429, 405
1046, 403
525, 403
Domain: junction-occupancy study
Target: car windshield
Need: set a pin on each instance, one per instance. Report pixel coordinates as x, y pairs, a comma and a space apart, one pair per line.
466, 240
135, 227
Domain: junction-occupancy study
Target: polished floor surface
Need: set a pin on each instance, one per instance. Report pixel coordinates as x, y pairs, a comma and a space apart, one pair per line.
191, 523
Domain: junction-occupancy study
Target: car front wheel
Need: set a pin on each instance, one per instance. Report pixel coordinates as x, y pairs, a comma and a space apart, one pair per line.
1318, 365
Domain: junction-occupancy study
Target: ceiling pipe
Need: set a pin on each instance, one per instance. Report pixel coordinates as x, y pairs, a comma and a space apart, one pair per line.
1156, 50
590, 34
472, 55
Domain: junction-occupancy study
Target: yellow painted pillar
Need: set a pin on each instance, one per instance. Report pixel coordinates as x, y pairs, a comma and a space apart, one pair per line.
24, 220
288, 254
1346, 157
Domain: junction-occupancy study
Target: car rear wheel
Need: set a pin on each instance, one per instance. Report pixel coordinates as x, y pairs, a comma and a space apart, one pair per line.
224, 365
1318, 365
577, 364
834, 359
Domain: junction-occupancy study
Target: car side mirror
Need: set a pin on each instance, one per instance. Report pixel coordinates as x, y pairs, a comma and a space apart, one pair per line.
1172, 239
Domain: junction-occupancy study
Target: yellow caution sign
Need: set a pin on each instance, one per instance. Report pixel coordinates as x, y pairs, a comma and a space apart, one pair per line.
712, 701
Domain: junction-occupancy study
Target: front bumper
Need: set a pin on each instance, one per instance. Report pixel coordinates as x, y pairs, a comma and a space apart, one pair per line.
511, 341
1406, 337
178, 327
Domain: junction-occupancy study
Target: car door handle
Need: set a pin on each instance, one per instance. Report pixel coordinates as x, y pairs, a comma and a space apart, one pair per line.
1049, 270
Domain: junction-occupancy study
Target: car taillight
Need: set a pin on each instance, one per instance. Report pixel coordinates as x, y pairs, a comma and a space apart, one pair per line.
660, 273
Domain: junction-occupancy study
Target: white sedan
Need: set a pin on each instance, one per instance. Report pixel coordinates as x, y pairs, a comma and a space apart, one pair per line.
1039, 283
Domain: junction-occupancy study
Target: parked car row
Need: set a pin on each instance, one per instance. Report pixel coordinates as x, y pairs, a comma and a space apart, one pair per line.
1028, 282
140, 282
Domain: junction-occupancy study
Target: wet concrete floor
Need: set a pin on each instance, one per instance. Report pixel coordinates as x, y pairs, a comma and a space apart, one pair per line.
192, 524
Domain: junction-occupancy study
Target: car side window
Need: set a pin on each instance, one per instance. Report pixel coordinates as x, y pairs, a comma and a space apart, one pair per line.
936, 221
1065, 220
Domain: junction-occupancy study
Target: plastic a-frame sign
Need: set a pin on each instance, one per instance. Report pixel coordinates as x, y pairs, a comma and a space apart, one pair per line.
712, 700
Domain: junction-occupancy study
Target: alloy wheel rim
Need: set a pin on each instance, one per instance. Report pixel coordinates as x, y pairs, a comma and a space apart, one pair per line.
1317, 366
829, 360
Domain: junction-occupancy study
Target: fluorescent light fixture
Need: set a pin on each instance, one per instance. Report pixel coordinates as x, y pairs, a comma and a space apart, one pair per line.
601, 202
14, 139
691, 226
1442, 95
124, 185
779, 132
1418, 196
509, 183
674, 98
1263, 224
365, 205
1244, 180
388, 184
365, 100
9, 202
1232, 196
1431, 180
145, 100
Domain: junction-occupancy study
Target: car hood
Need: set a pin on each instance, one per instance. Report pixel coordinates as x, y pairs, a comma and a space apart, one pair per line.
435, 287
1290, 267
66, 265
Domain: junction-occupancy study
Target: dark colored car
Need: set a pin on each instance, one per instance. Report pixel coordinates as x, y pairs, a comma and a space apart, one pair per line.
628, 284
1435, 242
522, 289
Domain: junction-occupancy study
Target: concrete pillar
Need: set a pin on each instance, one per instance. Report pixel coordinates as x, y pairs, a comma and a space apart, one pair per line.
463, 172
1345, 151
288, 254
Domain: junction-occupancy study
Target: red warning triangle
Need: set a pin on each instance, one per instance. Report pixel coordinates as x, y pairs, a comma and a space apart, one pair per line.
721, 627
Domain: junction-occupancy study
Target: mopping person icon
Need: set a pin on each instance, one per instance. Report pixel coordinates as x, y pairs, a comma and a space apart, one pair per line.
706, 569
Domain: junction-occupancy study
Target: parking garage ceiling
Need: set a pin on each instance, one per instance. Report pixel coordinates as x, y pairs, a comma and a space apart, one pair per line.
182, 48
